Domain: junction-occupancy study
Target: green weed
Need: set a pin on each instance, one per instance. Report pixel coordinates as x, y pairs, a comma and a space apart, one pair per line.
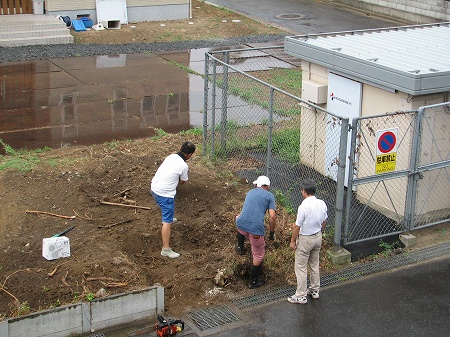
160, 133
22, 160
187, 69
90, 297
285, 143
388, 249
24, 308
113, 144
76, 296
192, 132
284, 201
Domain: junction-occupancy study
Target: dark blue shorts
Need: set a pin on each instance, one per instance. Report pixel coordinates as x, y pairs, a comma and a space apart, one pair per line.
167, 206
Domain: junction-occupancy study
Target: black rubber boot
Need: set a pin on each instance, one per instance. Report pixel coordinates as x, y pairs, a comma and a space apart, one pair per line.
255, 282
240, 244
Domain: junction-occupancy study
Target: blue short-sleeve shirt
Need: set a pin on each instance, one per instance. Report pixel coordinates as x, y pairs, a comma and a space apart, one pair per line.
257, 202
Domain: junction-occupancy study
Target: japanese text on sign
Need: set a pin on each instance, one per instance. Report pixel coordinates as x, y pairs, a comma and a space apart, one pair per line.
385, 163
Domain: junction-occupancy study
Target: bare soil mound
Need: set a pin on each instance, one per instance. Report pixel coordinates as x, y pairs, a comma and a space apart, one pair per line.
117, 248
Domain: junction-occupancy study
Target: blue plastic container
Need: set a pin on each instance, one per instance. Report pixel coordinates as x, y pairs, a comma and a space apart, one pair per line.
87, 22
78, 25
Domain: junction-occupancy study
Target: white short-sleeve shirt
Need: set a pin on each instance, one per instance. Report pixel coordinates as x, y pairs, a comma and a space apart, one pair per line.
166, 178
312, 212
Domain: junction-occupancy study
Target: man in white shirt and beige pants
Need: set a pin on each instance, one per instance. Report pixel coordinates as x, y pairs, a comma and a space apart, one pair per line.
306, 240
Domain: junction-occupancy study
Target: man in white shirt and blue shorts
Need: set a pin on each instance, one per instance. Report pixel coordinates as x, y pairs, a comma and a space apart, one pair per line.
171, 172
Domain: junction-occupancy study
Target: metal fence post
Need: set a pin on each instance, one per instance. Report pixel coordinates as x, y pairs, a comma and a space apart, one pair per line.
223, 136
270, 130
340, 188
353, 151
213, 108
414, 175
205, 104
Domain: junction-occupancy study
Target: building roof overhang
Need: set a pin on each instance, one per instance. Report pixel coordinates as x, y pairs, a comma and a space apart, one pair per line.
412, 59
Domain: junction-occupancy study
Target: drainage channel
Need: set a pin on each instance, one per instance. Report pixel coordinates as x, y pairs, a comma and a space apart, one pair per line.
217, 316
350, 273
213, 317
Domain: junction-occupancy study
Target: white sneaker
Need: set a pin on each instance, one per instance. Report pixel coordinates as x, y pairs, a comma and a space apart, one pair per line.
169, 253
297, 299
313, 293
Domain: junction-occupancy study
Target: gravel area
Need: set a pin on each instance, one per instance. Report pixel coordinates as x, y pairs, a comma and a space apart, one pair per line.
12, 54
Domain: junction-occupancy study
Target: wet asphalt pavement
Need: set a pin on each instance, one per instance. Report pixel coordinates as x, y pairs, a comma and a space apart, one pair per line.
306, 16
411, 301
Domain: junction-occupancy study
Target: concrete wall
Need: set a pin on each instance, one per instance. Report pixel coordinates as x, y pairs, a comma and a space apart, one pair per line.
313, 127
80, 318
416, 11
137, 10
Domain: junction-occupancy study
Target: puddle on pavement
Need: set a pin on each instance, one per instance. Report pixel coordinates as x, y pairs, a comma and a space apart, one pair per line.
91, 100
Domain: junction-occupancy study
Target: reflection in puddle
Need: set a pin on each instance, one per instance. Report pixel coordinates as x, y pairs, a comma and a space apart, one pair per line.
88, 100
91, 100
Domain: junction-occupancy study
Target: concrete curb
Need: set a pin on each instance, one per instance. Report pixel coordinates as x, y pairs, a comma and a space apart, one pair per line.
79, 318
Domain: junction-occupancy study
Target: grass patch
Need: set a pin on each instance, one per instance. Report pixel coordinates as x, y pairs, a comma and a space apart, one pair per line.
22, 160
159, 133
285, 144
192, 132
187, 69
285, 201
288, 80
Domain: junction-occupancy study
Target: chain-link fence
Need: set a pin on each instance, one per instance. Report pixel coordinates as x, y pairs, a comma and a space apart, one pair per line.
400, 178
430, 197
263, 128
397, 166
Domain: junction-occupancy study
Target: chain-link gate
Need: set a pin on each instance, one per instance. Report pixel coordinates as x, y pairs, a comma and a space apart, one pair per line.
254, 119
400, 178
262, 128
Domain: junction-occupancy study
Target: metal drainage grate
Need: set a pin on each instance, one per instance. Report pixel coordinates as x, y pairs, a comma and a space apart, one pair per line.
98, 335
213, 317
264, 297
290, 16
351, 273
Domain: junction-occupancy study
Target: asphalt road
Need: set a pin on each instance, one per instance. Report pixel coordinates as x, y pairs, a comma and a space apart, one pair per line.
410, 301
307, 16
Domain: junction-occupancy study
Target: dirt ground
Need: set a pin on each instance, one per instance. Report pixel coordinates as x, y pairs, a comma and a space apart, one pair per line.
117, 248
207, 22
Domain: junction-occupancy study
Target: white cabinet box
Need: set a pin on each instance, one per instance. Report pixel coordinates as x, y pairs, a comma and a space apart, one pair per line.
54, 248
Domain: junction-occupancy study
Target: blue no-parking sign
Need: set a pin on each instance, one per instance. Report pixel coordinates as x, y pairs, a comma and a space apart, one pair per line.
386, 158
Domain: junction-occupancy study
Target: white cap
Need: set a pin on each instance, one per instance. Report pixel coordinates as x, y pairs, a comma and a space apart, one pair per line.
261, 181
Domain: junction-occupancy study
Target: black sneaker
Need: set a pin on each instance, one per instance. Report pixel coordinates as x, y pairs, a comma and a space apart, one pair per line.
256, 284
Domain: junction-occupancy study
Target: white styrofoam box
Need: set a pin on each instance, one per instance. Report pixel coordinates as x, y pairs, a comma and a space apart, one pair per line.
54, 248
111, 24
314, 92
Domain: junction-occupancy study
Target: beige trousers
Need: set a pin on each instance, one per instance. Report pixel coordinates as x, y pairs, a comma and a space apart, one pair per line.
307, 254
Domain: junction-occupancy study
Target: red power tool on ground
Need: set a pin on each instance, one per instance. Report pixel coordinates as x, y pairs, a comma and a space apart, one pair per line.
168, 327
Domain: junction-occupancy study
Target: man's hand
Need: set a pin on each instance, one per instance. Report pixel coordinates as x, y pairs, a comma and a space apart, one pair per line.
272, 235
